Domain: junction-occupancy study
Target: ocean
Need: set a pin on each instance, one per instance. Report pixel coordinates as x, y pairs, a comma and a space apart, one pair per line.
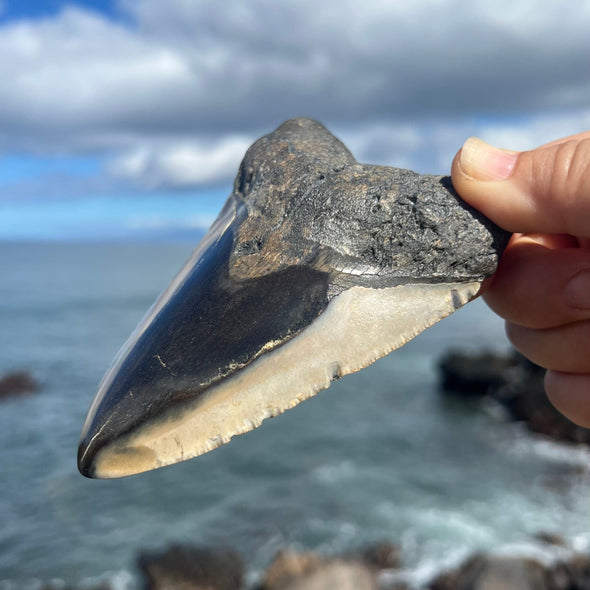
380, 455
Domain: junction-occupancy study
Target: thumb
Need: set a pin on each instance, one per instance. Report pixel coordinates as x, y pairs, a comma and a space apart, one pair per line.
545, 190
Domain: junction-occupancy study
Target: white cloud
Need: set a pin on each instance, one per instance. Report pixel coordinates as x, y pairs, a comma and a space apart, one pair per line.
171, 97
182, 164
430, 146
537, 131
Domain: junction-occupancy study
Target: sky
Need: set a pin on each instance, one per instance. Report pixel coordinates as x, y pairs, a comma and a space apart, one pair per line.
121, 117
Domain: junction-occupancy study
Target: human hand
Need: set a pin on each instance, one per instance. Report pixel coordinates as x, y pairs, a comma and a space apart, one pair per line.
542, 286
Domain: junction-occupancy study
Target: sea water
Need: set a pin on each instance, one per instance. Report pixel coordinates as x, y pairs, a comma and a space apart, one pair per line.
379, 455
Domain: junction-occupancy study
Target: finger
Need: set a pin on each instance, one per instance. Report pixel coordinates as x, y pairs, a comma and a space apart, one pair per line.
550, 241
575, 137
540, 287
570, 394
545, 190
561, 349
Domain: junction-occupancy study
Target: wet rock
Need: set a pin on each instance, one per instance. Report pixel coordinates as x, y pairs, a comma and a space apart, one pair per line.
290, 565
185, 567
17, 383
549, 538
486, 572
382, 556
60, 585
474, 374
309, 571
524, 397
514, 382
573, 574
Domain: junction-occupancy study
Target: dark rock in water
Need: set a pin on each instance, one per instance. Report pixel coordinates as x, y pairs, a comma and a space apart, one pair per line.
382, 556
549, 538
474, 374
486, 572
17, 383
489, 572
309, 571
517, 384
59, 585
524, 397
184, 567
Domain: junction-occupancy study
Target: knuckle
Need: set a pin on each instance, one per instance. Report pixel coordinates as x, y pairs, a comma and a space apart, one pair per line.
516, 335
561, 174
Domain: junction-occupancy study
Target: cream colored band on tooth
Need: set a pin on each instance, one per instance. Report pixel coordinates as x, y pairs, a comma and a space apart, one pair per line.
358, 327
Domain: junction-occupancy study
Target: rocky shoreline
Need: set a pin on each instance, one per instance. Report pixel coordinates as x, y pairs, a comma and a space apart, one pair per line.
378, 567
508, 380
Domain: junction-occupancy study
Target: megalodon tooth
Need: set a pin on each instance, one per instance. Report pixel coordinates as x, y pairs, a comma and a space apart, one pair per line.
316, 267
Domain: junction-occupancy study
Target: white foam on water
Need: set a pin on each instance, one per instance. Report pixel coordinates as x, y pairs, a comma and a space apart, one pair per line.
525, 444
334, 472
119, 580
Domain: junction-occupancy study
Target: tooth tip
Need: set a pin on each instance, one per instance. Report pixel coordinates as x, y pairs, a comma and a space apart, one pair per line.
85, 463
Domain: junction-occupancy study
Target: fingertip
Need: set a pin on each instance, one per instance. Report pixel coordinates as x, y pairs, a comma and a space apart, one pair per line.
542, 190
492, 197
481, 161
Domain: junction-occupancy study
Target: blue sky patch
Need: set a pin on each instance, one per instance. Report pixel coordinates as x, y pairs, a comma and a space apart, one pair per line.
14, 168
31, 9
111, 217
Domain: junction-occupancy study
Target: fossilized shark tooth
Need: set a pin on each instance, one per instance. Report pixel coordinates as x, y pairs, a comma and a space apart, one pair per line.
316, 267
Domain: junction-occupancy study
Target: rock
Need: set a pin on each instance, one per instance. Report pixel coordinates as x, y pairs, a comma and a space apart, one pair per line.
337, 574
382, 556
184, 567
486, 572
474, 374
550, 538
17, 383
290, 565
573, 574
308, 571
60, 585
523, 395
516, 383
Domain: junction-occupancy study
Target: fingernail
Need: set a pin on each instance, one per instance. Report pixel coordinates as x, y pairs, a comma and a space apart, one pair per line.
578, 290
482, 161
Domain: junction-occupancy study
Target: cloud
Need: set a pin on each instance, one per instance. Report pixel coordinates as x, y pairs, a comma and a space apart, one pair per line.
171, 94
428, 146
181, 164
